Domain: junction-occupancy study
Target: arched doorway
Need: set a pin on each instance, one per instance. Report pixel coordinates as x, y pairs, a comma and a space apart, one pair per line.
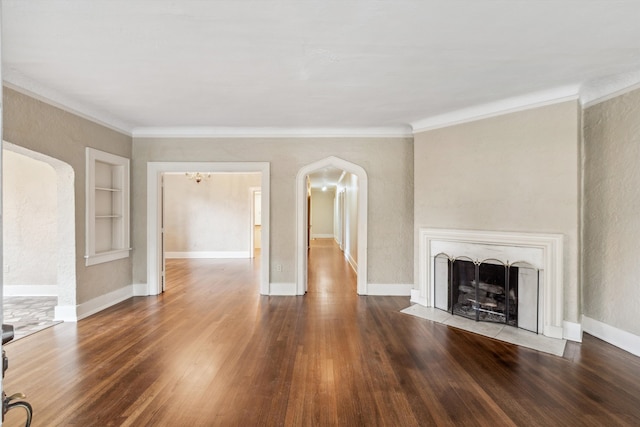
65, 236
302, 221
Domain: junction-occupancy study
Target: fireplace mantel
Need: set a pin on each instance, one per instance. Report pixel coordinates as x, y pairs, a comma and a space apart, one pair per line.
544, 251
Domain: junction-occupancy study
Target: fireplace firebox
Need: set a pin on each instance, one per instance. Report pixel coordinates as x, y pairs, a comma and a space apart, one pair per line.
488, 290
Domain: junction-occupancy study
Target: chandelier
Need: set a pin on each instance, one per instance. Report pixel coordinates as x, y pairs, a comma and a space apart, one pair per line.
198, 176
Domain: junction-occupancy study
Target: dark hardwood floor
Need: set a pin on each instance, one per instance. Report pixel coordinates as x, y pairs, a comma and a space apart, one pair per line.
210, 351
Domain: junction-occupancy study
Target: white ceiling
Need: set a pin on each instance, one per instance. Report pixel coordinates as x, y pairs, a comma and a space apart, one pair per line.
326, 177
381, 67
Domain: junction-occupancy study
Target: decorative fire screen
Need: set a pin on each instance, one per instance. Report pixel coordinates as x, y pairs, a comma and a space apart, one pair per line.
488, 290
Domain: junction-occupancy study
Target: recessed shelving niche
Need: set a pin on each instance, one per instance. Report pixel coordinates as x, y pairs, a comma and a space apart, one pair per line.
107, 207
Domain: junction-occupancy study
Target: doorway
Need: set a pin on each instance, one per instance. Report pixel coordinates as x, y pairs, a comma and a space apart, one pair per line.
360, 227
255, 224
155, 172
52, 250
207, 216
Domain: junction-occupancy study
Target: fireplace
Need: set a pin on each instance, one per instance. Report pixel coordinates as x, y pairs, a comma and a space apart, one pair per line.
488, 290
493, 276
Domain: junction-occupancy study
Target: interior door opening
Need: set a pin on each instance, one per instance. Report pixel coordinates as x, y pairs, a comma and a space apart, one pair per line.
347, 185
170, 235
205, 217
59, 259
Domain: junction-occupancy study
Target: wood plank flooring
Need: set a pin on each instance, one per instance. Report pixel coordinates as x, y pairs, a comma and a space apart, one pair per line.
210, 351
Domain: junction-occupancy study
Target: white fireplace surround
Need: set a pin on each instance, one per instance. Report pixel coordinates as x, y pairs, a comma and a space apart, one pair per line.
542, 251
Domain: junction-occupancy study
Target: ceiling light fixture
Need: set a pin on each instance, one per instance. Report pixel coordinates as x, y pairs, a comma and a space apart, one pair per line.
197, 176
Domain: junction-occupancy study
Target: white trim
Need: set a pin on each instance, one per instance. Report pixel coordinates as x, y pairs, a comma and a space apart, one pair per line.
322, 236
252, 214
208, 254
498, 108
392, 290
155, 171
271, 132
609, 96
301, 220
609, 87
66, 222
352, 262
102, 302
614, 336
69, 313
119, 192
416, 298
30, 290
18, 82
101, 257
66, 313
549, 248
283, 289
572, 331
140, 289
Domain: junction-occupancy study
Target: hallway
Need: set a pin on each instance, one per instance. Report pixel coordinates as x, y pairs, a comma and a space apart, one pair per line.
329, 271
211, 351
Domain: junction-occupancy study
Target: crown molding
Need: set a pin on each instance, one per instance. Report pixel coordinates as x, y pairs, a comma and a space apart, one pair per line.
272, 132
596, 91
18, 82
498, 108
588, 94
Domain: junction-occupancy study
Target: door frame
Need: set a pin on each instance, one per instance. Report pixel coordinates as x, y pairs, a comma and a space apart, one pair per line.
302, 221
253, 191
154, 211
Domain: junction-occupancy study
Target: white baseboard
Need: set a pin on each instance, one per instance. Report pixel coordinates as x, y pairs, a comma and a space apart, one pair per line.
415, 297
30, 290
572, 331
66, 313
69, 313
614, 336
208, 254
352, 262
140, 289
322, 236
389, 290
282, 289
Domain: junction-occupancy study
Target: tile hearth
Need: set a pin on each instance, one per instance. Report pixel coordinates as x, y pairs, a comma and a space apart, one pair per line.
29, 314
493, 330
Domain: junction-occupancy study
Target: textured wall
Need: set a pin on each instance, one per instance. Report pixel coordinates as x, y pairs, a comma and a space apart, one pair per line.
213, 215
387, 161
45, 129
515, 172
612, 212
29, 206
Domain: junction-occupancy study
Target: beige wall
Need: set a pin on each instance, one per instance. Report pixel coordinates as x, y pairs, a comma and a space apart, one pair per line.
29, 207
612, 212
515, 172
211, 216
48, 130
322, 212
387, 161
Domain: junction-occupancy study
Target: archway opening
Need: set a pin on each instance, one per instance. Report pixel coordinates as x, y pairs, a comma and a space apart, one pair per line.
60, 236
359, 246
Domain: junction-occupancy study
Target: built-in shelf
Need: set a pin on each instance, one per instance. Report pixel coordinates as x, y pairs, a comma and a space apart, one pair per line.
107, 207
